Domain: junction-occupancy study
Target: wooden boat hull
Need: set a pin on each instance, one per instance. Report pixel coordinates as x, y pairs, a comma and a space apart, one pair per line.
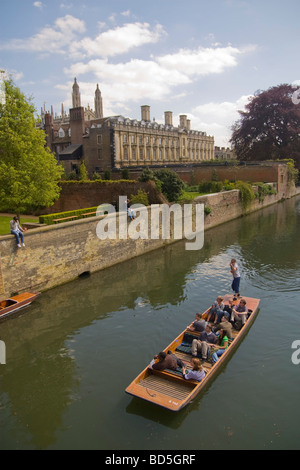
170, 390
15, 303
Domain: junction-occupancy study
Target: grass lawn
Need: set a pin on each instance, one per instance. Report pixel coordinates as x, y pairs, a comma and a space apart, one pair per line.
189, 196
4, 223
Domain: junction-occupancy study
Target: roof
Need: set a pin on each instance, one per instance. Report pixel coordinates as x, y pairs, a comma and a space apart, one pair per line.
72, 152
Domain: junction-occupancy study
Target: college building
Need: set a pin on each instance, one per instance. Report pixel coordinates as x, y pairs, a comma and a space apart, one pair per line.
117, 142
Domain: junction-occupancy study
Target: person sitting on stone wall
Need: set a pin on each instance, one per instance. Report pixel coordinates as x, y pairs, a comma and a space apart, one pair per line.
17, 231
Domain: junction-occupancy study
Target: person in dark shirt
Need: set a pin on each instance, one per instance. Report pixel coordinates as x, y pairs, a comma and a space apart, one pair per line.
165, 361
199, 324
206, 339
240, 314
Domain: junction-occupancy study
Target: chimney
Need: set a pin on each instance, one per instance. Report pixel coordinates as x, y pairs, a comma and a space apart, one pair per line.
188, 124
145, 113
182, 121
168, 118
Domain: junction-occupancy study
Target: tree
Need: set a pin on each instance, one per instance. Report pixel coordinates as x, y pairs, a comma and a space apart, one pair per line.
171, 184
82, 172
29, 172
269, 128
146, 175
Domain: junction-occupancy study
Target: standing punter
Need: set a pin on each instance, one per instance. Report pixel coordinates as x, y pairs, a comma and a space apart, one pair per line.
236, 277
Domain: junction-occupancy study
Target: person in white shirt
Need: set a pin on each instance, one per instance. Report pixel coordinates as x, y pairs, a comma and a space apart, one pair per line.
236, 277
17, 231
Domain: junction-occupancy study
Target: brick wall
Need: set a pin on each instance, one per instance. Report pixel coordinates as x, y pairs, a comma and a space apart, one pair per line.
81, 195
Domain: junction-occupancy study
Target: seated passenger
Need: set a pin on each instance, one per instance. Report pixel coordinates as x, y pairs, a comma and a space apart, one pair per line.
224, 325
223, 345
165, 361
203, 344
239, 314
227, 311
197, 373
216, 307
199, 324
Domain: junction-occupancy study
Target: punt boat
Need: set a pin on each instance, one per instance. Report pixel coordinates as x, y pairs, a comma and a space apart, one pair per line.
11, 305
168, 388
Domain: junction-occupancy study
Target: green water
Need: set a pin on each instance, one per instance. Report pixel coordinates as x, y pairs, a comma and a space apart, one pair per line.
72, 353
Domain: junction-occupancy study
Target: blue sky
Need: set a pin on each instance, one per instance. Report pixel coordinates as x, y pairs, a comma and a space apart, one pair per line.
199, 58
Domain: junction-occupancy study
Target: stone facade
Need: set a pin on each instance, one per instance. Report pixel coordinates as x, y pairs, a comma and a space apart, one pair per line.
117, 142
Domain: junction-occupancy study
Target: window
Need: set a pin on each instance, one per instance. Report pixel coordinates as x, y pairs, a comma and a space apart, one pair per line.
133, 154
124, 138
99, 152
99, 139
126, 154
141, 154
61, 133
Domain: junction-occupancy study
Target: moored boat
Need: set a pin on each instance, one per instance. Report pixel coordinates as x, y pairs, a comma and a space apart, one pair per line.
168, 388
15, 303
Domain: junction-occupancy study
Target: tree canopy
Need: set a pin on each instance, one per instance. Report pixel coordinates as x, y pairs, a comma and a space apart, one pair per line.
29, 172
270, 126
171, 184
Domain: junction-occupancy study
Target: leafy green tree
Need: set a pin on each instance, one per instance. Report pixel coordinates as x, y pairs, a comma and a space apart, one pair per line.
125, 174
29, 172
83, 176
171, 185
140, 198
146, 175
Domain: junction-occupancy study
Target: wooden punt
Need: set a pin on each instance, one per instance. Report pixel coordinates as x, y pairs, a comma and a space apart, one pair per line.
169, 389
15, 303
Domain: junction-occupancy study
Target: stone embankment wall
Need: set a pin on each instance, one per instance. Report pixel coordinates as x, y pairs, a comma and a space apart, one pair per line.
57, 254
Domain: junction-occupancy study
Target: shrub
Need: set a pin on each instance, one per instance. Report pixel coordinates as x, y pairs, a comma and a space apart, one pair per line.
210, 187
140, 198
125, 174
146, 175
246, 192
207, 210
171, 185
107, 175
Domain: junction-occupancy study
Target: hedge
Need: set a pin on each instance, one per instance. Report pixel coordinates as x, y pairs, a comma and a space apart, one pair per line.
49, 218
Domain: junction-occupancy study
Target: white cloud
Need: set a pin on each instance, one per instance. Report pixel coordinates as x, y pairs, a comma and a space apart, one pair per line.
117, 41
38, 5
131, 81
202, 61
54, 39
217, 118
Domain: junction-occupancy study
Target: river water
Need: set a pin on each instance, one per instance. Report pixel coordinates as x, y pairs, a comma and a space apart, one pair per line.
72, 353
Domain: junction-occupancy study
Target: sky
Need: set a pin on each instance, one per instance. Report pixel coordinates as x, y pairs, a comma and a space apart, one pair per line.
201, 58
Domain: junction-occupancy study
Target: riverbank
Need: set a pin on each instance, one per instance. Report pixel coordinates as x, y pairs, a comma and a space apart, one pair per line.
55, 255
